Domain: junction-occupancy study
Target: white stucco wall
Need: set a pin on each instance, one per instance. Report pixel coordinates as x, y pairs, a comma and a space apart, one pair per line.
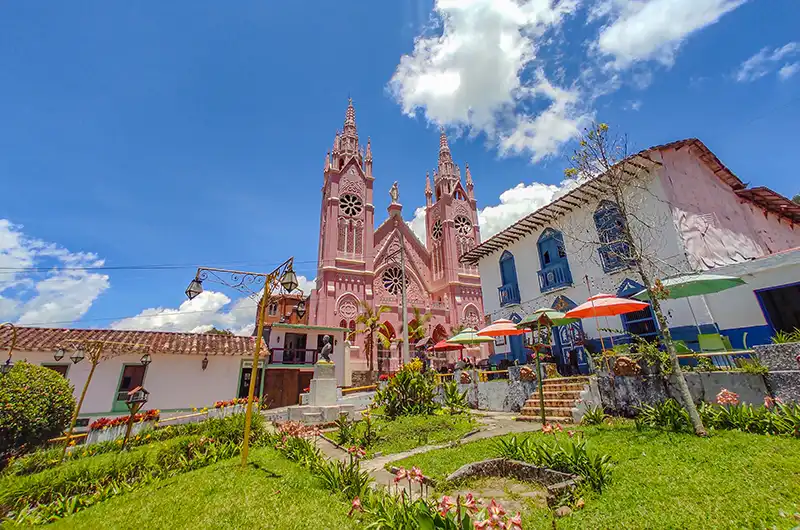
174, 381
578, 228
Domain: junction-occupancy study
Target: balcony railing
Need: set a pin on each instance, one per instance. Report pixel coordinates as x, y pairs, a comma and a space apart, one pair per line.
554, 277
615, 256
293, 356
509, 294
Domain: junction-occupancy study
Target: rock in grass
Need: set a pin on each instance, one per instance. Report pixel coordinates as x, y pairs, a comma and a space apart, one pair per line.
563, 511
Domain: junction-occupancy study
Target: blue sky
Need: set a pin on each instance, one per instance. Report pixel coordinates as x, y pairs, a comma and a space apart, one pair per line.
193, 132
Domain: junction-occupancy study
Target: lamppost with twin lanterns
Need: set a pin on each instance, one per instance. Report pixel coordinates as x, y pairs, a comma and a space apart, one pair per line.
283, 277
82, 348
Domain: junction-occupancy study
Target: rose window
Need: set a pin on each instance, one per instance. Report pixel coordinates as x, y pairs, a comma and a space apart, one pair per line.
393, 280
437, 230
350, 204
463, 226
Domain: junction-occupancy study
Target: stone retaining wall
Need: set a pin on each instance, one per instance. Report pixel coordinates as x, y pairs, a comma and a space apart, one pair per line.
621, 395
783, 380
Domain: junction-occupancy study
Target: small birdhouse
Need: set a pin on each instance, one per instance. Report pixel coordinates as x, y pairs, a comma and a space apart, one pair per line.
137, 396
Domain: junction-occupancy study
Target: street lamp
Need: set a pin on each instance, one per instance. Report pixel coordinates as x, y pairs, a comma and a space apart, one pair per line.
78, 355
301, 308
6, 367
283, 277
135, 401
59, 354
145, 360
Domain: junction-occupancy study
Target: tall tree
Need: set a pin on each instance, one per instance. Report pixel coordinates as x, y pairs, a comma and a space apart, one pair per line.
370, 322
633, 235
215, 331
796, 199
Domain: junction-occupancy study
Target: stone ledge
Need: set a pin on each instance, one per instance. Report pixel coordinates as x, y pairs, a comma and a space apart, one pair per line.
554, 481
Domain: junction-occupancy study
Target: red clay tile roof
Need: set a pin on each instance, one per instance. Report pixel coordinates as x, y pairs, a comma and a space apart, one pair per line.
51, 339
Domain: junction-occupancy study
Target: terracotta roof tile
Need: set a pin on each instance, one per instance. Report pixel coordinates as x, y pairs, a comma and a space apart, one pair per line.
51, 339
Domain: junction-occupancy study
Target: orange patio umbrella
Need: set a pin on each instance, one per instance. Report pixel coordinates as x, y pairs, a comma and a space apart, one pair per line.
501, 328
605, 305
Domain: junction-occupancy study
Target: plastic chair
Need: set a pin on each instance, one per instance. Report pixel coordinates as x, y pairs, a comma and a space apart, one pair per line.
681, 347
711, 342
726, 340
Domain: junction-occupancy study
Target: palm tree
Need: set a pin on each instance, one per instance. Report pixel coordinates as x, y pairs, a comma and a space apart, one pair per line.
418, 326
458, 328
372, 328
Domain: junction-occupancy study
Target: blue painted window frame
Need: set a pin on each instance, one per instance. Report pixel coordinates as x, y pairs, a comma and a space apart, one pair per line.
558, 265
627, 289
509, 286
610, 225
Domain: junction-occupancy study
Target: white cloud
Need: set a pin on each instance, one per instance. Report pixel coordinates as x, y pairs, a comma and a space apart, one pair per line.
306, 285
497, 67
788, 71
417, 225
470, 75
42, 283
210, 309
518, 202
654, 29
765, 61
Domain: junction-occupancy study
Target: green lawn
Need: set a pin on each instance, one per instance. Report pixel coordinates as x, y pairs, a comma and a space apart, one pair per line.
278, 494
669, 480
408, 432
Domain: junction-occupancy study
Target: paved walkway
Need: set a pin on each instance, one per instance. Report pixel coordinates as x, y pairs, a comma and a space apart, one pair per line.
491, 424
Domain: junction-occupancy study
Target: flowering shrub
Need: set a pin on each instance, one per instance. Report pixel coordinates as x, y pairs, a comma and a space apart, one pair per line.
726, 397
104, 423
775, 417
409, 392
383, 377
232, 402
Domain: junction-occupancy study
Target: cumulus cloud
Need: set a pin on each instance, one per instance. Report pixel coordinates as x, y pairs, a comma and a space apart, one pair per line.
417, 224
654, 29
766, 61
42, 283
210, 309
497, 66
469, 74
517, 202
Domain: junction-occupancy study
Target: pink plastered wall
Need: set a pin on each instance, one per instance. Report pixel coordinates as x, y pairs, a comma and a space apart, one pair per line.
717, 226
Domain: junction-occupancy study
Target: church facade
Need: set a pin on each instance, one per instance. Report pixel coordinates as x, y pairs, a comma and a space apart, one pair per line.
361, 262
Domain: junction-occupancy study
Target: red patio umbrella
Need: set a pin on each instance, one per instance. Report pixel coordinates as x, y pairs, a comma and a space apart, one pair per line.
445, 346
500, 328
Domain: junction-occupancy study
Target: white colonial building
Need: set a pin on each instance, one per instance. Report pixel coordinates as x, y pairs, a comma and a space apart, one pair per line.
702, 218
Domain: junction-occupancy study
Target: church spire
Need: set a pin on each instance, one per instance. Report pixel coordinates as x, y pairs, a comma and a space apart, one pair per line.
350, 133
469, 182
448, 173
368, 157
428, 190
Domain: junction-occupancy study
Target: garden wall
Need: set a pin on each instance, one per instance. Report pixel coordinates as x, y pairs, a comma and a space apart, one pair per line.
622, 394
783, 379
506, 395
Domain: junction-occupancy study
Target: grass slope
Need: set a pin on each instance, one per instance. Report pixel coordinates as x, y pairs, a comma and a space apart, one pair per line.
277, 494
670, 480
407, 432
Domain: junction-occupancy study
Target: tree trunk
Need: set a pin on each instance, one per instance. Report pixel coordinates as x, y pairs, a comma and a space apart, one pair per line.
368, 352
683, 387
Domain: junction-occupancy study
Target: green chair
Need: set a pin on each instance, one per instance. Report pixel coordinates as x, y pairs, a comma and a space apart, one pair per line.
681, 347
726, 340
711, 342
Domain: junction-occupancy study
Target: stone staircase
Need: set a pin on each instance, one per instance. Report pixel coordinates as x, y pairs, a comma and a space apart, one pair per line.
562, 398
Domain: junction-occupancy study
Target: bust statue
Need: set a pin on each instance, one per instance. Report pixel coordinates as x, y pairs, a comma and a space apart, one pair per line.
327, 349
394, 193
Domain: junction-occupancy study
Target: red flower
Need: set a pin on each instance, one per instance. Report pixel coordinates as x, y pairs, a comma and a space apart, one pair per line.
445, 505
416, 474
356, 506
383, 377
400, 475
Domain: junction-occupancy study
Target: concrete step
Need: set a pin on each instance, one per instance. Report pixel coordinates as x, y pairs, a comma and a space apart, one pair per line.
551, 402
564, 388
313, 417
576, 379
548, 419
562, 412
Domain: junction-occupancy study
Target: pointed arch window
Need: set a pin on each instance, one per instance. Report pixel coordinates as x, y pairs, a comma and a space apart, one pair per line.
554, 272
615, 251
509, 291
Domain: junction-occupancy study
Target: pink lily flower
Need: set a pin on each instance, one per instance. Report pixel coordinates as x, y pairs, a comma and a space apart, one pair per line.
495, 510
401, 474
571, 433
547, 428
558, 428
514, 523
356, 506
445, 505
416, 474
479, 525
470, 504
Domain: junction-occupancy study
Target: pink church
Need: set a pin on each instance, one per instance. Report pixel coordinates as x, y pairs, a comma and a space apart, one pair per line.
358, 261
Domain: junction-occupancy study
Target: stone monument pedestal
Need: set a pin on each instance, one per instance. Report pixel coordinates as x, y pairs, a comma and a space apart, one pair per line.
322, 398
